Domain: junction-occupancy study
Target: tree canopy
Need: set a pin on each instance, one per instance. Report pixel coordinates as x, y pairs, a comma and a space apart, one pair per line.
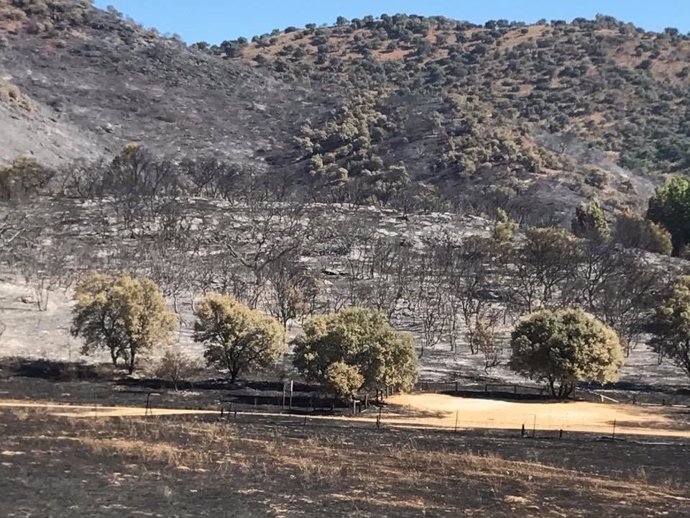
670, 207
237, 338
670, 325
126, 315
590, 222
362, 340
634, 231
566, 346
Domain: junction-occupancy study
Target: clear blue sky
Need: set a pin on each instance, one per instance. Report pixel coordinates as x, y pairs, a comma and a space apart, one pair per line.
217, 20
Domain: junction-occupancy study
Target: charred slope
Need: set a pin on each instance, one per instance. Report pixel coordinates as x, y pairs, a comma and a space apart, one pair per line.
94, 81
532, 118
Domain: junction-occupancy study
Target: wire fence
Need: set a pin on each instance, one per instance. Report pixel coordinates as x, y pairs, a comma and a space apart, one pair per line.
536, 425
537, 419
457, 387
678, 397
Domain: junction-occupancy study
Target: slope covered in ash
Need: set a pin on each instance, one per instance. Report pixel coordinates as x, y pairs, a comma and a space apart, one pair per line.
91, 81
396, 110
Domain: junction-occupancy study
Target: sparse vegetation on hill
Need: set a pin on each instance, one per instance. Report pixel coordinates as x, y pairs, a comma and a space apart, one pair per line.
501, 103
398, 110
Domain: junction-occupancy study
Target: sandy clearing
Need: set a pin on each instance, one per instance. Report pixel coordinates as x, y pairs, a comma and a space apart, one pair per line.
440, 410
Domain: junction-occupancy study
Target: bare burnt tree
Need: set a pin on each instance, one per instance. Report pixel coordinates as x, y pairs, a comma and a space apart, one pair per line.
467, 280
47, 266
16, 230
82, 179
356, 243
208, 176
16, 233
262, 236
294, 291
486, 337
390, 276
597, 265
626, 298
430, 293
169, 263
542, 267
218, 270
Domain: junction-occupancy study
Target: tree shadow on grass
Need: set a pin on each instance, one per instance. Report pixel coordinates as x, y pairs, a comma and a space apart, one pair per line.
503, 396
56, 370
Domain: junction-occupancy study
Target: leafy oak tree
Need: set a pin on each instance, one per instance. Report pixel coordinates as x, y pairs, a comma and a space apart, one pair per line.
670, 325
590, 222
360, 339
565, 346
125, 315
634, 231
342, 380
237, 338
670, 207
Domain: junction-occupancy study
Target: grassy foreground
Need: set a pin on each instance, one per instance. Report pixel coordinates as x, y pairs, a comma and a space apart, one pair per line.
184, 467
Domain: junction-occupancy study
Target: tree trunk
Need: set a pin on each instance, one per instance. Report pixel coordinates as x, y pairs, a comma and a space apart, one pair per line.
114, 356
234, 371
552, 387
130, 366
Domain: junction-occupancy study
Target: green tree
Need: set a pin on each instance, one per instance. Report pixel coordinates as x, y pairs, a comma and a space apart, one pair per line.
670, 207
342, 379
23, 178
359, 338
504, 228
634, 231
565, 346
590, 222
670, 325
237, 338
126, 315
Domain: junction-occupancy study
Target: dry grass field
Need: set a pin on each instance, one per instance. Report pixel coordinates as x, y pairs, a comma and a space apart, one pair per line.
444, 411
570, 416
183, 467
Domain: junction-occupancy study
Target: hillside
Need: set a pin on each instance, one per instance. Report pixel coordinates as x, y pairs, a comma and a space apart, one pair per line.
400, 110
562, 110
78, 82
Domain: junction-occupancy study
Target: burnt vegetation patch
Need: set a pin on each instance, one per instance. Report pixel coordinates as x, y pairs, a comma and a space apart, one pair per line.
172, 463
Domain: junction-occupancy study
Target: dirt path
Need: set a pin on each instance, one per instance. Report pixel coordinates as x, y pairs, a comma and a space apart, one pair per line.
63, 410
441, 411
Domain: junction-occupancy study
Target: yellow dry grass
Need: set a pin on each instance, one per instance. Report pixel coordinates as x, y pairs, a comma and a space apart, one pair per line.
440, 410
63, 410
383, 470
409, 476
